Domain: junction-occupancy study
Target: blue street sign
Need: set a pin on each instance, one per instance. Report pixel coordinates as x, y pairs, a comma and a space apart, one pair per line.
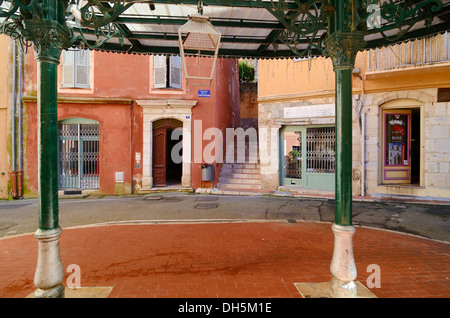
204, 93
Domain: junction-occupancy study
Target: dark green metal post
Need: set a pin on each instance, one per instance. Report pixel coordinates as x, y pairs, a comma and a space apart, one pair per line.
45, 27
342, 45
343, 194
47, 145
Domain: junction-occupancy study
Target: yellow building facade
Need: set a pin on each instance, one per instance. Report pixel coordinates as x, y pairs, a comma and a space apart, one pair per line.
401, 122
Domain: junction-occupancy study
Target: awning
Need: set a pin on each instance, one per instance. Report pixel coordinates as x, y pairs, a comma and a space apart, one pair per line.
253, 28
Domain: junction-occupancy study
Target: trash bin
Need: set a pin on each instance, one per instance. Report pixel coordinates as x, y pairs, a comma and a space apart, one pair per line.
207, 172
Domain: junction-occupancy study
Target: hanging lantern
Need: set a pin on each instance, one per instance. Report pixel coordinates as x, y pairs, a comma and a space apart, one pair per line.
199, 45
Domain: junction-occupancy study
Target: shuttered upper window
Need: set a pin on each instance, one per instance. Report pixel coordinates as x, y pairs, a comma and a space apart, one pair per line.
167, 71
75, 68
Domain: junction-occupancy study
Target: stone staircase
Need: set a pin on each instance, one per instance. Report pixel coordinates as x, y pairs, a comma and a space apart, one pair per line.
243, 173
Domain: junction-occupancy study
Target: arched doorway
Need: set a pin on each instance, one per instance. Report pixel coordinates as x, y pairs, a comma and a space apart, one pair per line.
167, 152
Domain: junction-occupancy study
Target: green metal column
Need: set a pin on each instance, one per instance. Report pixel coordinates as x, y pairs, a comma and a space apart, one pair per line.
47, 145
343, 193
44, 26
342, 47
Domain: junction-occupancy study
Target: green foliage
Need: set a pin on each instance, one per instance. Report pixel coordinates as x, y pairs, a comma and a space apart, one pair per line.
246, 73
294, 154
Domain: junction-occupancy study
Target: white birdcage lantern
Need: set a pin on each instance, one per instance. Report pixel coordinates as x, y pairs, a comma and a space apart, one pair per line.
199, 44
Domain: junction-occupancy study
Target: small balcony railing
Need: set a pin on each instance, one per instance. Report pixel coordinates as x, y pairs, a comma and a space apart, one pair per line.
434, 49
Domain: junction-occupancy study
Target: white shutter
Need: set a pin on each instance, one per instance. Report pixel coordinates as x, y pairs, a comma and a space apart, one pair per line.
175, 71
68, 69
82, 68
159, 71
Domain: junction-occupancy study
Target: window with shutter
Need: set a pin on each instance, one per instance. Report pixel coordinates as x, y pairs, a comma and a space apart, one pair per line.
159, 71
75, 68
167, 71
82, 68
68, 69
175, 71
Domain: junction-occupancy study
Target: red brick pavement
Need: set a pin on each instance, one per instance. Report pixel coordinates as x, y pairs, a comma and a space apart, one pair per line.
245, 260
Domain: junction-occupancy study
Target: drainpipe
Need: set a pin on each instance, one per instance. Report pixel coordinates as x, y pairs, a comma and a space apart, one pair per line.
362, 123
363, 153
13, 123
20, 124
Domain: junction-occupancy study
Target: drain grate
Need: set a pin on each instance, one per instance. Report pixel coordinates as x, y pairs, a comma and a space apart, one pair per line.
292, 220
172, 199
205, 206
12, 206
206, 199
153, 198
6, 225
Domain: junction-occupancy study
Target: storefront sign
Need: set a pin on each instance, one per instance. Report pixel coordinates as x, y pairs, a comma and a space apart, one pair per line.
322, 110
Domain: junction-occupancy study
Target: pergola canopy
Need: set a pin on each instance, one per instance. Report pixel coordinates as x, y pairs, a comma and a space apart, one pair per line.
249, 28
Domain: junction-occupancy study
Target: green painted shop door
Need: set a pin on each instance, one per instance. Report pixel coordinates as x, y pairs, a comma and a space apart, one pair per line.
307, 156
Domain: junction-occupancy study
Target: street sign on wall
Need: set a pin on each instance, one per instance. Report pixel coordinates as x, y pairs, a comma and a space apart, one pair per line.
204, 93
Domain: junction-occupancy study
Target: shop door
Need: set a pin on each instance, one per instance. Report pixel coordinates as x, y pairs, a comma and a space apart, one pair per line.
159, 156
308, 157
396, 168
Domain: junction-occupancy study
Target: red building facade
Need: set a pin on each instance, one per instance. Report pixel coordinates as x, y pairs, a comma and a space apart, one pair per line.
123, 118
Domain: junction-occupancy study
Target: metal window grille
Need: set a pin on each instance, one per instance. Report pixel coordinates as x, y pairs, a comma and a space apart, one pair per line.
78, 156
320, 150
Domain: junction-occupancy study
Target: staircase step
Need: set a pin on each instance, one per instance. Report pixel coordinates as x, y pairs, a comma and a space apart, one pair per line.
240, 175
240, 170
246, 165
239, 180
226, 186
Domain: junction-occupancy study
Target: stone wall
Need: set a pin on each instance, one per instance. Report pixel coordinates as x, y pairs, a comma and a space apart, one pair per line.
435, 141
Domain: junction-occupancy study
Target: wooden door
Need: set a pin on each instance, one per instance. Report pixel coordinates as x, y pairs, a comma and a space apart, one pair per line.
396, 168
159, 156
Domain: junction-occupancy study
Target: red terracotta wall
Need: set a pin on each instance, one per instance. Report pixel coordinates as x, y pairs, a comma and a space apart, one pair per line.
129, 76
115, 146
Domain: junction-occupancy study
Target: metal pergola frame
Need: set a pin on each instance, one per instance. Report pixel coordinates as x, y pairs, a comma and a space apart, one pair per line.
337, 29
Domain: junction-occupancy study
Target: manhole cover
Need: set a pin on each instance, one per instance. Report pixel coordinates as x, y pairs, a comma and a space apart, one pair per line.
206, 199
172, 199
205, 206
12, 206
153, 198
6, 225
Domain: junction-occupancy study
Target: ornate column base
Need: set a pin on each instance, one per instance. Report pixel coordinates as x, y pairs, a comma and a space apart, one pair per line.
343, 266
49, 271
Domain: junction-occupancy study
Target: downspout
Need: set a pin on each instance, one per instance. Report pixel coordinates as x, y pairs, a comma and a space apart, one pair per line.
363, 153
362, 124
20, 124
13, 123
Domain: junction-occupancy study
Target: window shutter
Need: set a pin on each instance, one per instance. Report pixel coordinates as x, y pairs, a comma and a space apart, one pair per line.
82, 68
175, 71
67, 68
159, 71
